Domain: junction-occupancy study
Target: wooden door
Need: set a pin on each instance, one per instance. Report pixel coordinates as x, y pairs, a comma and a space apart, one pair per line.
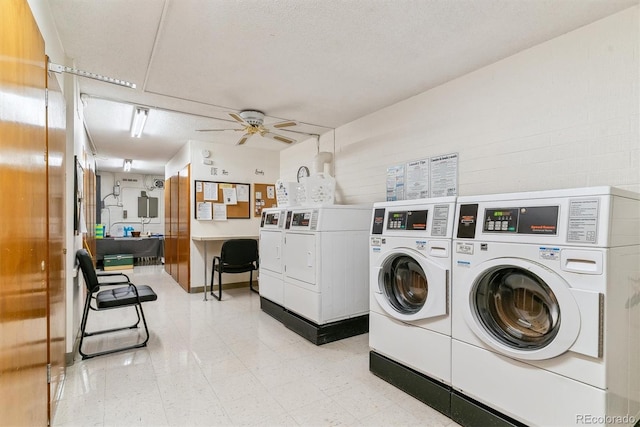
173, 240
184, 229
23, 219
56, 142
168, 254
89, 204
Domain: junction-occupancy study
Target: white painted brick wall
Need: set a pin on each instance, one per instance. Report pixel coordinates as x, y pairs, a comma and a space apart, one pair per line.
558, 115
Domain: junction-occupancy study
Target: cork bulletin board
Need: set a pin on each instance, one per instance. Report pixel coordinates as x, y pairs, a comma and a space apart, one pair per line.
213, 197
264, 196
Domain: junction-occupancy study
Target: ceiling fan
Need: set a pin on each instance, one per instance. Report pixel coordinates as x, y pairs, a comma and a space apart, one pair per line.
252, 123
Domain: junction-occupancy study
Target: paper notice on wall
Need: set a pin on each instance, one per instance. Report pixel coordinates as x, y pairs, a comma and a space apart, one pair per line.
242, 192
417, 185
203, 211
219, 212
271, 192
395, 183
230, 196
210, 191
444, 175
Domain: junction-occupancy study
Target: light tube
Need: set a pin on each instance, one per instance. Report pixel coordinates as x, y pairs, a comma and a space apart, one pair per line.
139, 119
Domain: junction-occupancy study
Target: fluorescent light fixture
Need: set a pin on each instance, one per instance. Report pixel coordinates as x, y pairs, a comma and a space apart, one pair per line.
140, 115
127, 164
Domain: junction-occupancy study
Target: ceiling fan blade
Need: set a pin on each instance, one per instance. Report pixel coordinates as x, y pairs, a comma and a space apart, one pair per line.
216, 130
286, 124
278, 137
239, 119
300, 132
243, 139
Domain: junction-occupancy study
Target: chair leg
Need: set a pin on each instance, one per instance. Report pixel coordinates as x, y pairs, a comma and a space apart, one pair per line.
213, 273
83, 324
106, 331
83, 333
251, 283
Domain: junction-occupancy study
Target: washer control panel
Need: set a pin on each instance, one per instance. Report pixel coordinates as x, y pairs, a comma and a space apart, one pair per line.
522, 220
407, 220
501, 220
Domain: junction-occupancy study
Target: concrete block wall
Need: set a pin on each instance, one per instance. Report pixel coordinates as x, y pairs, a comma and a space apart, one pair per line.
558, 115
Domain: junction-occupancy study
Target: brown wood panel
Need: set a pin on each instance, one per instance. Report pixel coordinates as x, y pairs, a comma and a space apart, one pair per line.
89, 203
56, 142
173, 243
23, 219
184, 229
168, 250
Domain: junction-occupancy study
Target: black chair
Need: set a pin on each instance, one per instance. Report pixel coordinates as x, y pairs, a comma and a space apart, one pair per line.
126, 294
236, 256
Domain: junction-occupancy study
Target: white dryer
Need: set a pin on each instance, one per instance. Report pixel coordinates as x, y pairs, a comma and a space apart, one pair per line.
409, 321
325, 282
270, 247
545, 330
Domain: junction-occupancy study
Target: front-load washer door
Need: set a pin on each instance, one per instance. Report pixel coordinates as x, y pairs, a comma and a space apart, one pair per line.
410, 286
521, 309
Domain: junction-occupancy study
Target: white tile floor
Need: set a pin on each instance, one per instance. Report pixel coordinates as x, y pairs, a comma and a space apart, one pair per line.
228, 363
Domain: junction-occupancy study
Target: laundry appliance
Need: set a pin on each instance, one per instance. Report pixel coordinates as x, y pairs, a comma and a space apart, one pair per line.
410, 271
545, 314
270, 249
325, 272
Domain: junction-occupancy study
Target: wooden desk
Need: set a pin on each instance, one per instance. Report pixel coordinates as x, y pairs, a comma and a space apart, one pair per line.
206, 239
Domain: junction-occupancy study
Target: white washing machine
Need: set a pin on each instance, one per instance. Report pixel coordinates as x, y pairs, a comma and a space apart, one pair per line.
270, 247
410, 270
545, 314
325, 272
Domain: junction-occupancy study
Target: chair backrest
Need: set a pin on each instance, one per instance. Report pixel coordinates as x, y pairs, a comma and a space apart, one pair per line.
239, 251
88, 270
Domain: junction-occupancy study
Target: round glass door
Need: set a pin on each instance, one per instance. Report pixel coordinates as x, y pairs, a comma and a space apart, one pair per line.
404, 283
516, 307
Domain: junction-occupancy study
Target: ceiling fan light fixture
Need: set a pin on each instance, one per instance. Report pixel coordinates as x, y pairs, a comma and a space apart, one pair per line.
253, 117
140, 115
252, 124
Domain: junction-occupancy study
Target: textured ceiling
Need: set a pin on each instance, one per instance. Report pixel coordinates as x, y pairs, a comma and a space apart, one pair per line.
322, 63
